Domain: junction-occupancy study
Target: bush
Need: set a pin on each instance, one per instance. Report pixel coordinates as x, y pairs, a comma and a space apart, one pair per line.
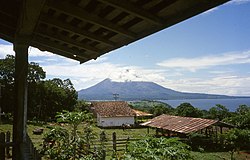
152, 148
64, 144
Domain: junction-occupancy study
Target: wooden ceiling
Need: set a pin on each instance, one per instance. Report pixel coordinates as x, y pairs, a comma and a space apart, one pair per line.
86, 29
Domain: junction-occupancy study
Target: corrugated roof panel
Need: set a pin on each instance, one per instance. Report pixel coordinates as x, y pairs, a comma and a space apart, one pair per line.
179, 124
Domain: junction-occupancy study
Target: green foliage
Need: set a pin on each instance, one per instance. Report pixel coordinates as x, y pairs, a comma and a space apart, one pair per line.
200, 142
162, 148
63, 144
243, 109
241, 118
161, 109
236, 139
82, 105
219, 112
154, 107
187, 110
45, 97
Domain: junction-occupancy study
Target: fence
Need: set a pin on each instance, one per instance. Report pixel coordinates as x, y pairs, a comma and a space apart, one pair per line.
6, 147
109, 147
112, 146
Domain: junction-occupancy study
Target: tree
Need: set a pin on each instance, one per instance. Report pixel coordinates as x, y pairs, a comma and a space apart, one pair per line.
7, 73
161, 109
236, 139
241, 118
56, 96
187, 110
45, 97
82, 105
243, 109
219, 112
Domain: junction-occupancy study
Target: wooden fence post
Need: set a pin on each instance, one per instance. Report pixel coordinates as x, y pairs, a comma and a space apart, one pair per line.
8, 141
114, 141
103, 139
127, 144
2, 147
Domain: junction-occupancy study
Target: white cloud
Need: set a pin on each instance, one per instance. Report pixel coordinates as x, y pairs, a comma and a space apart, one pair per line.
33, 52
94, 71
225, 85
238, 2
193, 64
210, 10
231, 2
89, 74
6, 49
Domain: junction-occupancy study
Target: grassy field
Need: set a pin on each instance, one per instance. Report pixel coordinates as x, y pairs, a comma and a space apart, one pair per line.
132, 133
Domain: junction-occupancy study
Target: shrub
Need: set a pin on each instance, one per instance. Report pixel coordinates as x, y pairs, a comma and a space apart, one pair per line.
152, 148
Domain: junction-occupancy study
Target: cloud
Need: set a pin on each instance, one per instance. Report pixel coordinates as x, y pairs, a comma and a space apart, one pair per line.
231, 2
90, 73
224, 85
6, 49
33, 52
238, 2
210, 11
193, 64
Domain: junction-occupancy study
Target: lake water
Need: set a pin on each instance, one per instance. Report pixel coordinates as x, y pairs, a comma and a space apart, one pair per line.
231, 104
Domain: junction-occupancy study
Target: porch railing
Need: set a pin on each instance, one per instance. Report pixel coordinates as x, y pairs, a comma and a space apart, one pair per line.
6, 146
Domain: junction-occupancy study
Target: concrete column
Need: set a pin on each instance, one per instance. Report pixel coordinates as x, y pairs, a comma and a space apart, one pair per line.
20, 108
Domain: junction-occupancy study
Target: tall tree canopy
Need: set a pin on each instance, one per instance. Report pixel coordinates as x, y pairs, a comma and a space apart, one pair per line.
219, 112
187, 110
45, 97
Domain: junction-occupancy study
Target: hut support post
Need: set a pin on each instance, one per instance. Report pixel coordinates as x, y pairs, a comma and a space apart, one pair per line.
20, 110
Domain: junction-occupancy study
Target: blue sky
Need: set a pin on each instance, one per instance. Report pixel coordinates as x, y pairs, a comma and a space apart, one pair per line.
209, 53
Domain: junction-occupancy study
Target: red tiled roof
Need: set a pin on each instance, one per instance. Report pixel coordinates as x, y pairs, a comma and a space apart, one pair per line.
112, 109
179, 124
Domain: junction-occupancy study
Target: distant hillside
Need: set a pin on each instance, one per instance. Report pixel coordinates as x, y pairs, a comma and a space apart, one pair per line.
137, 91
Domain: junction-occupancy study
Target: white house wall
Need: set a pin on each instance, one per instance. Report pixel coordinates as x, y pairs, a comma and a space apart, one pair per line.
114, 121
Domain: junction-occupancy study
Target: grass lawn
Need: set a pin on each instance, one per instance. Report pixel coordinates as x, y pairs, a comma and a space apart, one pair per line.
131, 133
219, 156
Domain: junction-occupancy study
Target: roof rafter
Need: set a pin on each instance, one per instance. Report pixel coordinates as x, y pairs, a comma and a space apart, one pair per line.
67, 40
58, 49
6, 33
65, 26
132, 9
91, 18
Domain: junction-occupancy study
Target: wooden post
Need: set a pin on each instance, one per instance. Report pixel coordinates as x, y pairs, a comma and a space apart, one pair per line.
114, 141
8, 141
20, 110
2, 145
127, 144
102, 139
157, 132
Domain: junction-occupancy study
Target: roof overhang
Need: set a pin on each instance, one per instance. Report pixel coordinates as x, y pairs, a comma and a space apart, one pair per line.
86, 29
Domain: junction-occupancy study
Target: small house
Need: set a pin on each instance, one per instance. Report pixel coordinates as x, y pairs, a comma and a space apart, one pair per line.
113, 113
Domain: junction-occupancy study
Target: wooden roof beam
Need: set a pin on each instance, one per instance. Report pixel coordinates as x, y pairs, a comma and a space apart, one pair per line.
65, 26
83, 15
127, 6
53, 47
67, 40
6, 33
29, 14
